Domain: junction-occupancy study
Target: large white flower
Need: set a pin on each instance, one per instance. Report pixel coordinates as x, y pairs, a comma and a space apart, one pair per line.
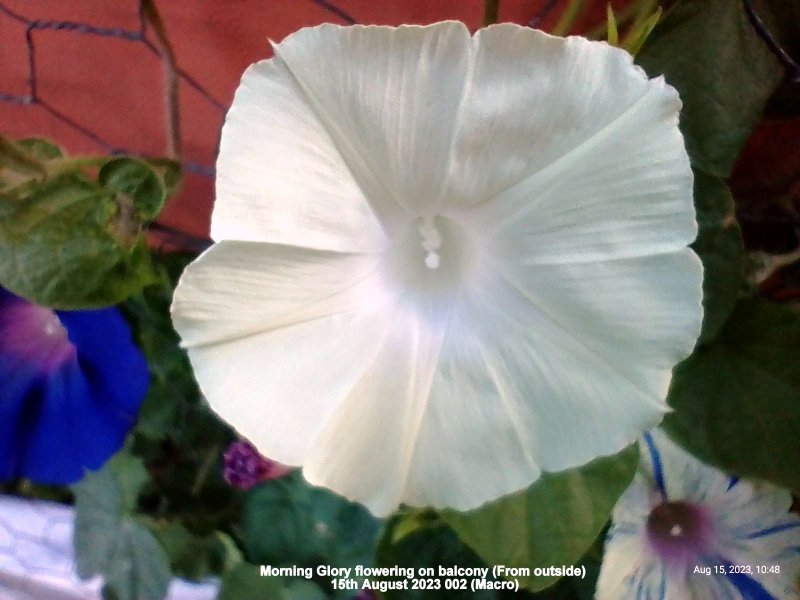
444, 263
686, 531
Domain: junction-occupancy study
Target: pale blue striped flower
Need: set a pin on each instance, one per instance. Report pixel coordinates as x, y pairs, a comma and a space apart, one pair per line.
686, 531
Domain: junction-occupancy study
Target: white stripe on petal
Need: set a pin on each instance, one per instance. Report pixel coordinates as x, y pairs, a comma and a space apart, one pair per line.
532, 99
280, 176
395, 114
365, 451
651, 314
628, 194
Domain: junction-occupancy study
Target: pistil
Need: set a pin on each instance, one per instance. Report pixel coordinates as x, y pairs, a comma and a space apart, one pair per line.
431, 242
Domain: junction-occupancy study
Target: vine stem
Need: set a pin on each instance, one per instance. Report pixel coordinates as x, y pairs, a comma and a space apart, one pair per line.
491, 8
761, 29
152, 17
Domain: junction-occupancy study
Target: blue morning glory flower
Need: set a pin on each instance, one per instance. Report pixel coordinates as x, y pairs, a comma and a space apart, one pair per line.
685, 531
71, 383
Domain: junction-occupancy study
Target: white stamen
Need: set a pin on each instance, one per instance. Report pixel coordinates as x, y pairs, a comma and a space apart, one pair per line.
431, 241
676, 530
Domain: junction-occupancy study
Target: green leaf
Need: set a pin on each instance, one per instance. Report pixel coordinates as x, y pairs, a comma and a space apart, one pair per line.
245, 583
553, 522
432, 544
170, 172
71, 228
136, 185
574, 588
724, 72
737, 400
641, 31
195, 557
288, 522
68, 245
173, 387
719, 245
18, 165
41, 148
612, 35
130, 476
110, 543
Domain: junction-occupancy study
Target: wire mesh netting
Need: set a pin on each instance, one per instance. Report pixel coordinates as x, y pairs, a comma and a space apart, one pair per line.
140, 35
103, 78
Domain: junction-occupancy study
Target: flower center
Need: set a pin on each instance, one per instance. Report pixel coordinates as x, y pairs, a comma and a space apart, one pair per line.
430, 258
35, 335
679, 532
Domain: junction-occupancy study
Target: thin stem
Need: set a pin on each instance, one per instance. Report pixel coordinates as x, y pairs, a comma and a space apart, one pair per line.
205, 469
543, 12
153, 18
792, 68
491, 9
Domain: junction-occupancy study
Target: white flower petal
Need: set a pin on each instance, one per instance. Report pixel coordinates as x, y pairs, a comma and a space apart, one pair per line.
622, 552
472, 445
682, 476
631, 197
280, 176
586, 158
651, 314
388, 97
366, 450
515, 394
278, 336
531, 100
760, 530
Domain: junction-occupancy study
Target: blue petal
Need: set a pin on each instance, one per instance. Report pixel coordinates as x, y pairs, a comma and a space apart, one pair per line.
19, 403
55, 423
775, 529
748, 587
113, 365
76, 429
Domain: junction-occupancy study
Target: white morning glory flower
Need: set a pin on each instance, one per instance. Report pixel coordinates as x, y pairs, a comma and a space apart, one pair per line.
444, 263
686, 531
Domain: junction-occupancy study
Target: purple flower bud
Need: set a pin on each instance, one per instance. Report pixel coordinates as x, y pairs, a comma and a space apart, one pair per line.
246, 468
